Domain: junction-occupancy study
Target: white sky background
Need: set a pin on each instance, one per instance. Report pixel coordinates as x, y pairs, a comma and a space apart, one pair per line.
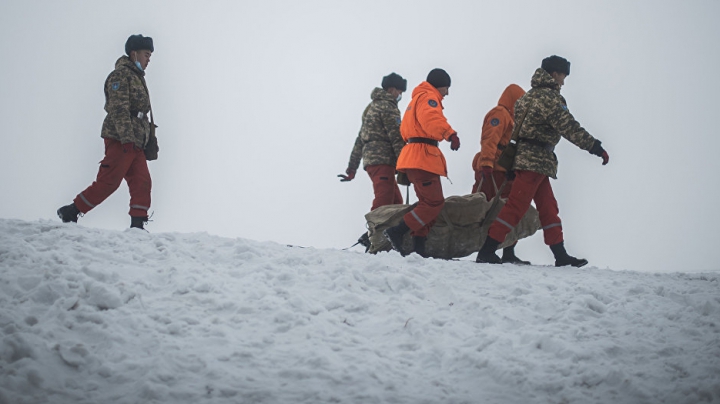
259, 104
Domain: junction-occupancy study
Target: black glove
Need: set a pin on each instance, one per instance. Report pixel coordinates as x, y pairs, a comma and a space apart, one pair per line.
454, 142
598, 150
402, 178
349, 177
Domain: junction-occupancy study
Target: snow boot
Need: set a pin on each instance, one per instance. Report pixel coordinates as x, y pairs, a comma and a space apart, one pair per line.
419, 246
68, 213
562, 258
395, 236
138, 222
509, 257
487, 255
364, 241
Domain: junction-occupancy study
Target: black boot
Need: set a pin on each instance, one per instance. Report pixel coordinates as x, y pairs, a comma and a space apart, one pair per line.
419, 246
68, 213
562, 258
364, 241
138, 221
395, 235
487, 252
509, 256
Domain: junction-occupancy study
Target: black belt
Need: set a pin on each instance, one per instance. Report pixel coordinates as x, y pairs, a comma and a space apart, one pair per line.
547, 146
423, 140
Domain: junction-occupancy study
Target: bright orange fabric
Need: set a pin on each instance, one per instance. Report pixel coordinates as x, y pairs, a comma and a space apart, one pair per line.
424, 118
497, 129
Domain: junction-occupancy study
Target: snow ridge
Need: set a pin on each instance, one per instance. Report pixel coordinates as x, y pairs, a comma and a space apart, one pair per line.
98, 316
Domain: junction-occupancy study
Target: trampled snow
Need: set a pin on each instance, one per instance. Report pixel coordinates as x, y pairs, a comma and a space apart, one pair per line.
99, 316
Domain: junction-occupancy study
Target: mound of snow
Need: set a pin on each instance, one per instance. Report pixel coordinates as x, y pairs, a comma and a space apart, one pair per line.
97, 316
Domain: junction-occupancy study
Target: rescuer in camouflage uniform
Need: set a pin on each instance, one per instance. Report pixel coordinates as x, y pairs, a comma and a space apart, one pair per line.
379, 144
126, 131
544, 119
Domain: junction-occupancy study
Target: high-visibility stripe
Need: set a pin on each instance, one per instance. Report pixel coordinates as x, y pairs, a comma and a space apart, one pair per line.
139, 207
417, 217
505, 223
86, 201
552, 225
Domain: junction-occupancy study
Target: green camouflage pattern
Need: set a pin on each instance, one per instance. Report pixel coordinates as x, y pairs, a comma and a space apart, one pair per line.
125, 96
547, 120
379, 140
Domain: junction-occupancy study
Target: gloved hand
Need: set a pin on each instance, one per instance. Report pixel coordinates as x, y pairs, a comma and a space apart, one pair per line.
454, 142
487, 172
128, 147
349, 177
402, 178
598, 150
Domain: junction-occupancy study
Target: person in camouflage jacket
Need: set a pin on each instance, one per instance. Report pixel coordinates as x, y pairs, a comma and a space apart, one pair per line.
126, 131
543, 117
379, 144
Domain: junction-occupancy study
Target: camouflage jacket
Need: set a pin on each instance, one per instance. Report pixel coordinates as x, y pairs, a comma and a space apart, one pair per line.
127, 104
379, 140
547, 120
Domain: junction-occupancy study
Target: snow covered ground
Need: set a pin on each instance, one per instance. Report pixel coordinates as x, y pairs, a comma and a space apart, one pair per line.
98, 316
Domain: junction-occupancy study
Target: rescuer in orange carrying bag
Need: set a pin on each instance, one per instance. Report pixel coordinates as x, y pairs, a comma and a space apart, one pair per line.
422, 127
489, 175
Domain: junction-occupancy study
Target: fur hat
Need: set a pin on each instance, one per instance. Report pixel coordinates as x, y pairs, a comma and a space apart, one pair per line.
438, 78
394, 80
138, 42
556, 64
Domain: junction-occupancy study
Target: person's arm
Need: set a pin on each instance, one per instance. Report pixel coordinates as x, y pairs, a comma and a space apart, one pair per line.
117, 91
492, 131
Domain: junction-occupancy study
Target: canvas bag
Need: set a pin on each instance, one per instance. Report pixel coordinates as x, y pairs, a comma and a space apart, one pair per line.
459, 231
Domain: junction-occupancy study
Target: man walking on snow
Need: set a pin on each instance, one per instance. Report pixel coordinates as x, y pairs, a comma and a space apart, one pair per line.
496, 131
126, 132
544, 119
423, 126
379, 144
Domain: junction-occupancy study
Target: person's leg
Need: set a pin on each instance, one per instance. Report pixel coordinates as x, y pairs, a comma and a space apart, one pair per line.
113, 168
140, 185
384, 185
430, 201
521, 195
548, 211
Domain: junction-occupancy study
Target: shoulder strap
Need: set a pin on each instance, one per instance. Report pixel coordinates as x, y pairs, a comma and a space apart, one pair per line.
152, 121
516, 128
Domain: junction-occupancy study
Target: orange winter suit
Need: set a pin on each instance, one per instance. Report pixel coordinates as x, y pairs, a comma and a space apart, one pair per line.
423, 126
496, 131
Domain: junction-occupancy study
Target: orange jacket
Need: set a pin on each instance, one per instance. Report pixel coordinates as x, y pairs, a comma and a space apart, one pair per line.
424, 118
497, 129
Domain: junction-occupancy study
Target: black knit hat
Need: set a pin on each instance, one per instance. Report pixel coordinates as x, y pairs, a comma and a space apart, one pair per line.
438, 78
138, 42
394, 80
556, 64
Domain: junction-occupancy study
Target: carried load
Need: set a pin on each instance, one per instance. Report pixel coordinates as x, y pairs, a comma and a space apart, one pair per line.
459, 230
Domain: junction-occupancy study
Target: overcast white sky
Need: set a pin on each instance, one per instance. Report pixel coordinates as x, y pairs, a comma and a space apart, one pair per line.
259, 104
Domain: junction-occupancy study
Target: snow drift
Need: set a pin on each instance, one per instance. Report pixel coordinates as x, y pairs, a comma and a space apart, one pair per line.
98, 316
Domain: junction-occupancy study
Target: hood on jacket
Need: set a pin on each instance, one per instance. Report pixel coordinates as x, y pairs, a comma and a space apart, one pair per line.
541, 78
426, 87
379, 94
509, 97
124, 61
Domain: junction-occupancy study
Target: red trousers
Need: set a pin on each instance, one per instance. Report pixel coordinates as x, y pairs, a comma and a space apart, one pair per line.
529, 186
487, 186
430, 201
116, 166
385, 187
